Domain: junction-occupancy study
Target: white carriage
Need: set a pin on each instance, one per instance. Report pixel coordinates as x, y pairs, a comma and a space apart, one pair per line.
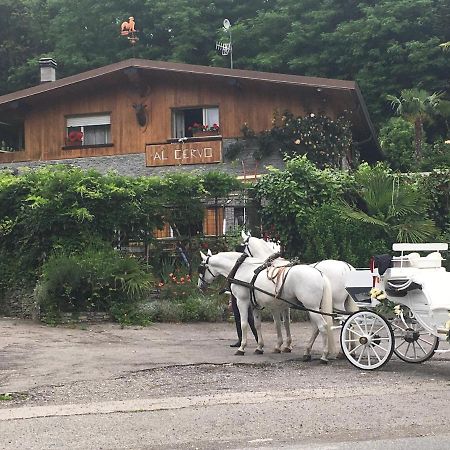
419, 287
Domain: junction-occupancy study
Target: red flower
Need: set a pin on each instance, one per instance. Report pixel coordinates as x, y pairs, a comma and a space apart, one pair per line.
75, 136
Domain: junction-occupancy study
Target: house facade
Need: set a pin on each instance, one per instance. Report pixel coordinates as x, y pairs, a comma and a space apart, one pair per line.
142, 117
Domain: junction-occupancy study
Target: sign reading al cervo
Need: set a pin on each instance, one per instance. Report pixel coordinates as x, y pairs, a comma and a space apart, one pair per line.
206, 152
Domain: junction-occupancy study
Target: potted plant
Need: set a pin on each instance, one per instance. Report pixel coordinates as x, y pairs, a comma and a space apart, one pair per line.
199, 129
75, 138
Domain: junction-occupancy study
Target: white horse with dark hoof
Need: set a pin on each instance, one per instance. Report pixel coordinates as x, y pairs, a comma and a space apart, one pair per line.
298, 285
336, 271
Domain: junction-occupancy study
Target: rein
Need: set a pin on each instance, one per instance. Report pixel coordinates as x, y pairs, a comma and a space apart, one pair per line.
251, 286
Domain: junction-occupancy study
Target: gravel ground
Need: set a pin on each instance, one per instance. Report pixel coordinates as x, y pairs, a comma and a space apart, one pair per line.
180, 386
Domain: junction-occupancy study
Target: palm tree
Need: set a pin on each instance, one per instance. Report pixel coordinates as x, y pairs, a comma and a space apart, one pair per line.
416, 106
391, 204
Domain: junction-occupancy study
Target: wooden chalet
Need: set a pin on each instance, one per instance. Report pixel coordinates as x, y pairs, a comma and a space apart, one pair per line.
138, 116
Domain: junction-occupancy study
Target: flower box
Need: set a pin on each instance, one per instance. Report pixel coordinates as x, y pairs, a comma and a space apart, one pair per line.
205, 133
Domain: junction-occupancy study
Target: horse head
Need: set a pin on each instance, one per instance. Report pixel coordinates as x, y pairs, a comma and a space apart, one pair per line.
205, 275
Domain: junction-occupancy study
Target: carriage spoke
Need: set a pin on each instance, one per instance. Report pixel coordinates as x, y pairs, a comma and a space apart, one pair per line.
359, 326
393, 324
399, 345
376, 354
361, 355
407, 348
354, 350
380, 346
379, 329
354, 332
421, 348
424, 340
351, 340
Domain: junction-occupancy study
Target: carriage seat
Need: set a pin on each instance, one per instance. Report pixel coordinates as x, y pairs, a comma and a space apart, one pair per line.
431, 261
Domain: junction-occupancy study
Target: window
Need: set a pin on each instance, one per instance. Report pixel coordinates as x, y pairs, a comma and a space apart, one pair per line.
12, 134
89, 130
183, 119
213, 221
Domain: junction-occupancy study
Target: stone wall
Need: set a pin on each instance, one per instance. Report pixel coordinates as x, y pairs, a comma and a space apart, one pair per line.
134, 164
19, 303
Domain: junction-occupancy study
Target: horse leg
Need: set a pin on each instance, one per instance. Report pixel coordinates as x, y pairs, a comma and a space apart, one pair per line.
325, 332
287, 328
257, 319
277, 321
243, 311
312, 339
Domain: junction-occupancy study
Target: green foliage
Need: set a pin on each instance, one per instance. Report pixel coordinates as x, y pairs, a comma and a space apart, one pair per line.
219, 184
435, 156
93, 280
416, 106
436, 187
394, 205
328, 235
324, 141
194, 308
397, 142
290, 198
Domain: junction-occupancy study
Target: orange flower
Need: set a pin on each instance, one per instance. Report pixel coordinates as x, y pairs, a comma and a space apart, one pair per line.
161, 284
182, 279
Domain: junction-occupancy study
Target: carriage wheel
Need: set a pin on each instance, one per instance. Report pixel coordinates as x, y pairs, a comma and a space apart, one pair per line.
367, 340
413, 344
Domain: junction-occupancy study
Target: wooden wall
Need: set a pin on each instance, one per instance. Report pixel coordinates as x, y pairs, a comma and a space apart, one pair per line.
240, 102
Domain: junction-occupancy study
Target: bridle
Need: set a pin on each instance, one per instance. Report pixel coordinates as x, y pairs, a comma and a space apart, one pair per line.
202, 269
247, 246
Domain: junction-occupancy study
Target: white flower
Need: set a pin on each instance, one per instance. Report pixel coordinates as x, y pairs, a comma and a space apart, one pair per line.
312, 115
297, 142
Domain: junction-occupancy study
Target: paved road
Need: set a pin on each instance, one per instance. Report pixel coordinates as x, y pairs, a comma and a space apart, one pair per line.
173, 386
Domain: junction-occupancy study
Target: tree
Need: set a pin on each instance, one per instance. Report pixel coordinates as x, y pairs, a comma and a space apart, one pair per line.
416, 106
392, 204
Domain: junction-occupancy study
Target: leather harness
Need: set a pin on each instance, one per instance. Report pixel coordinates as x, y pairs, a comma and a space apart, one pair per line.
251, 285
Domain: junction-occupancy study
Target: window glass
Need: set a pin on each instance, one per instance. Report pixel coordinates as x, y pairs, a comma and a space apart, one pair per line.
89, 130
187, 120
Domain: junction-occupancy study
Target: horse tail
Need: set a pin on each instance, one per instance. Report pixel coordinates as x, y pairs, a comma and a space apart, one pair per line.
350, 304
327, 307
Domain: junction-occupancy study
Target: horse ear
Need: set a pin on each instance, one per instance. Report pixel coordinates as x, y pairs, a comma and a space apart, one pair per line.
204, 257
244, 235
209, 252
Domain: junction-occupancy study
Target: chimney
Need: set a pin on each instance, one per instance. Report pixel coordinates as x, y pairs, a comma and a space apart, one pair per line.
48, 69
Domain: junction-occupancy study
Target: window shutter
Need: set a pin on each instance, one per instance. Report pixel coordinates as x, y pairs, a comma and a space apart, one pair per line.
86, 121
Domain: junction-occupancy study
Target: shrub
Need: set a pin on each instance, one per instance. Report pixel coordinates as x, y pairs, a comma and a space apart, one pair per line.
196, 307
98, 279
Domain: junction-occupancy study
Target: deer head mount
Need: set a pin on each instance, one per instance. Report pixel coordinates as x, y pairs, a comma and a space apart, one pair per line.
141, 113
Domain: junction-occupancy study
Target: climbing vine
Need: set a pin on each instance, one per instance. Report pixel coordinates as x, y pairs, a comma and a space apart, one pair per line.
325, 141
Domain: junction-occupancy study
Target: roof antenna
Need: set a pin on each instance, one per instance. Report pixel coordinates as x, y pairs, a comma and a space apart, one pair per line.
226, 47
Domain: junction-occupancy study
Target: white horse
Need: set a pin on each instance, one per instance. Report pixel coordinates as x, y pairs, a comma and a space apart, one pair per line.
299, 284
336, 272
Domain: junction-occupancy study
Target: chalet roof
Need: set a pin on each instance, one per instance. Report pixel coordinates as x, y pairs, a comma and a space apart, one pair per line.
102, 73
163, 66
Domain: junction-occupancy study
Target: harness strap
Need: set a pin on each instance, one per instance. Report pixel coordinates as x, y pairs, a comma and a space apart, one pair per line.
235, 268
301, 307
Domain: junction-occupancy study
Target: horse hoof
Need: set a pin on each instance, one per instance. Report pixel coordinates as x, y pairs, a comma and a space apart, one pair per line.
276, 350
286, 350
340, 355
258, 351
323, 361
306, 358
239, 353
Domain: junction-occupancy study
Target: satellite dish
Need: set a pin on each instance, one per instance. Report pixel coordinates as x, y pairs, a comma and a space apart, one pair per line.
226, 24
